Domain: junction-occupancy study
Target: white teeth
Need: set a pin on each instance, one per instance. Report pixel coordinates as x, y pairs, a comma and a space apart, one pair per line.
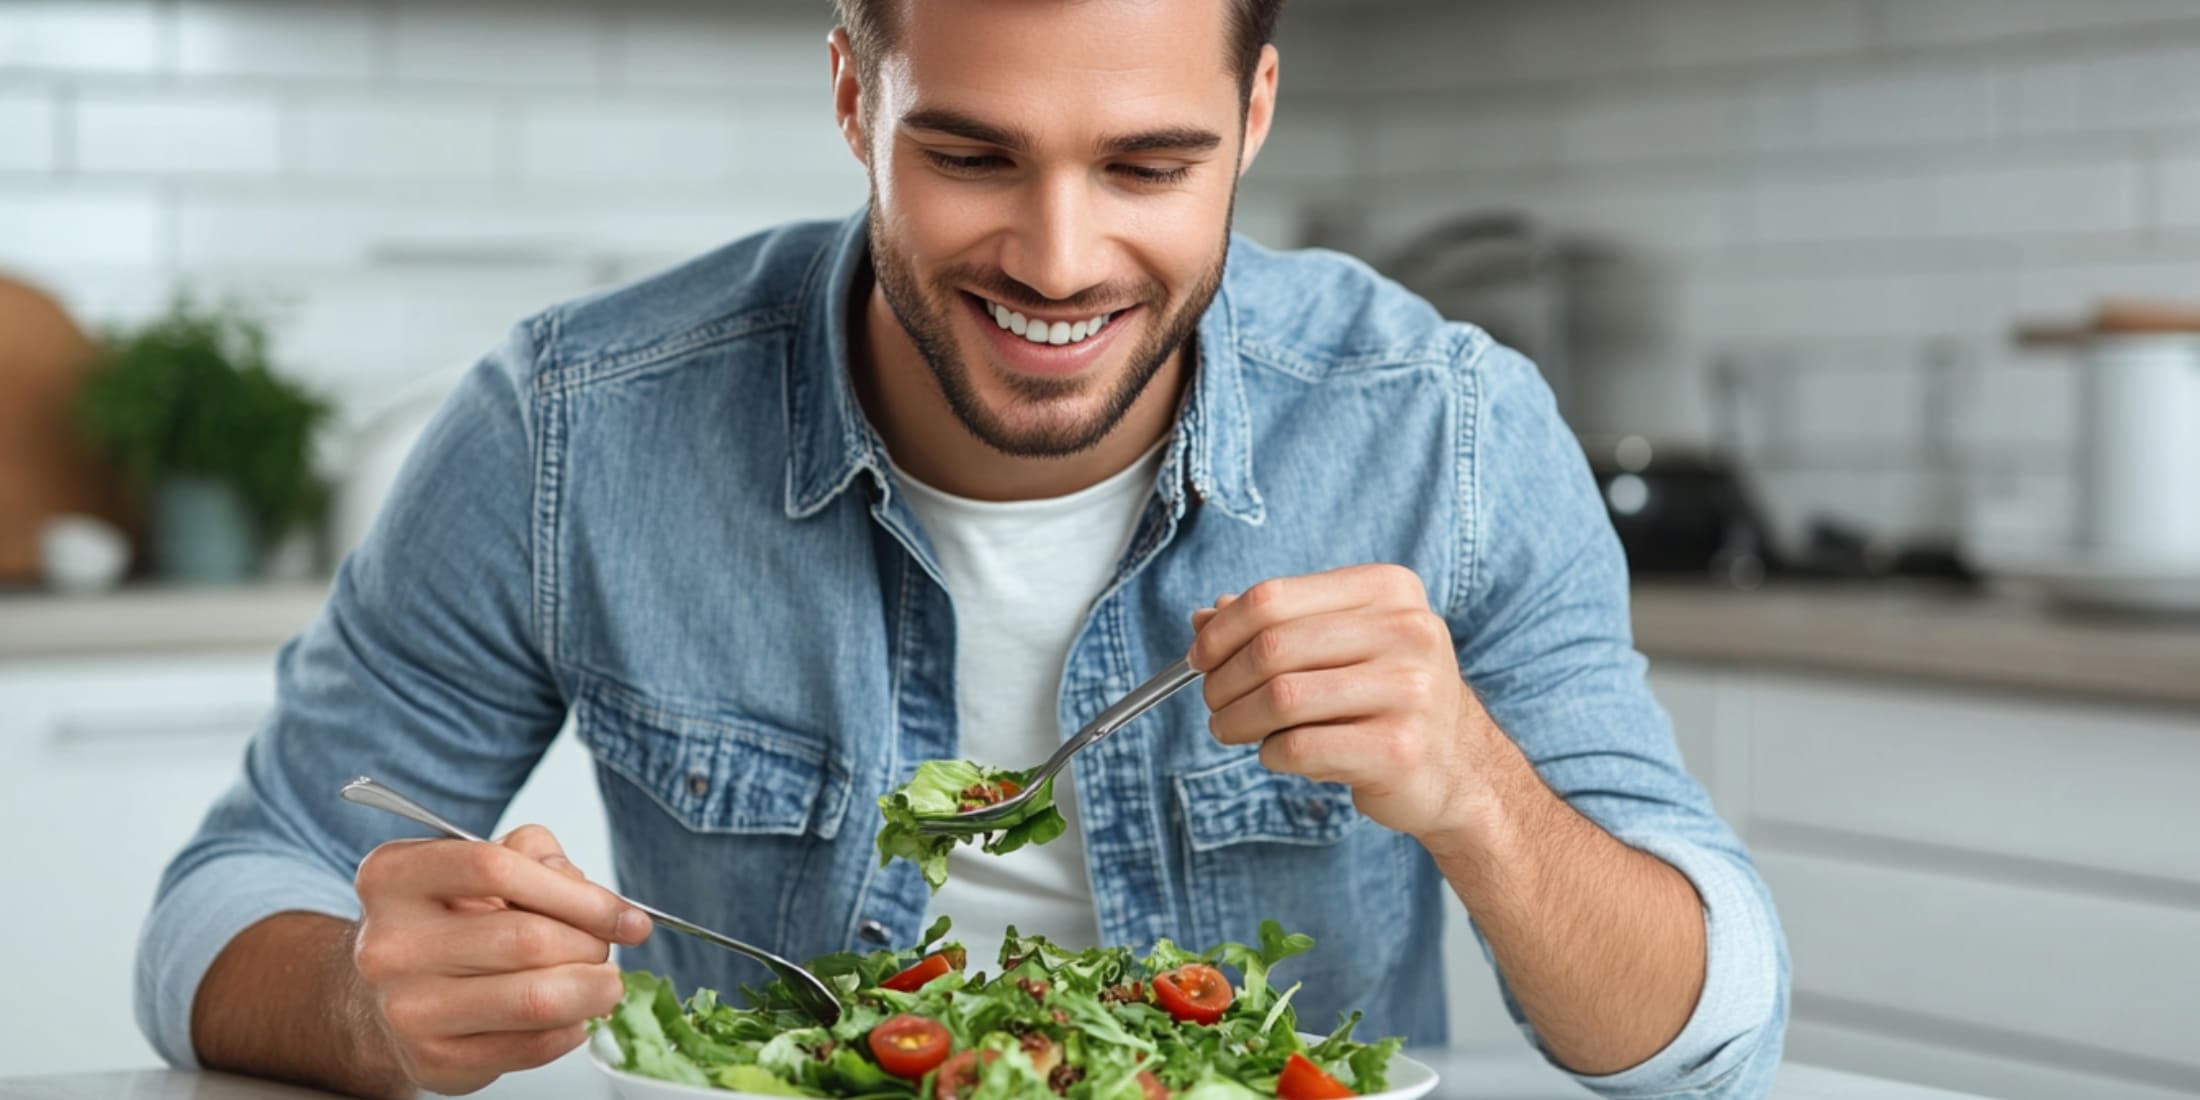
1042, 332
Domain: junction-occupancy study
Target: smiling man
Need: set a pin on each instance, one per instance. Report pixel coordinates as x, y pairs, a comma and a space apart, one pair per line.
944, 480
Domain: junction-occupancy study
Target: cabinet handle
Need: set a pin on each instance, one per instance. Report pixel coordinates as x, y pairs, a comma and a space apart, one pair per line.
231, 722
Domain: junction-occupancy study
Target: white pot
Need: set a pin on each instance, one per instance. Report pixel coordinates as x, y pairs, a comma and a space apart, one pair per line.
2139, 479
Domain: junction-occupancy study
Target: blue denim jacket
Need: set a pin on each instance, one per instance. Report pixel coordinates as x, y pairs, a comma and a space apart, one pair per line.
661, 510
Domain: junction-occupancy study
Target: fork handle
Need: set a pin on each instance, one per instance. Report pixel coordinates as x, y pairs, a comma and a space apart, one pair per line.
1142, 698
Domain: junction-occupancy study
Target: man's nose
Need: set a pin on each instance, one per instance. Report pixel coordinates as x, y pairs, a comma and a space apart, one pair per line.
1058, 245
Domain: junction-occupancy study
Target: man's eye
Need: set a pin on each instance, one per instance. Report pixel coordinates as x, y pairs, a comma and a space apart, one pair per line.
966, 165
1148, 174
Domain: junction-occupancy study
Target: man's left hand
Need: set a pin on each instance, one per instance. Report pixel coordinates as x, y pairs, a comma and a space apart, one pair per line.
1349, 677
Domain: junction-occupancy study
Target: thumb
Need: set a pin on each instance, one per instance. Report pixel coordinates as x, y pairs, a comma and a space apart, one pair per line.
541, 845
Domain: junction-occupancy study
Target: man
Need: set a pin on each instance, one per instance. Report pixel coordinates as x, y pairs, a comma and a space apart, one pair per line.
944, 481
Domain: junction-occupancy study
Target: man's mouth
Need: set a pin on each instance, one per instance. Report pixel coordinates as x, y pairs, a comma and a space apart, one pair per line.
1045, 330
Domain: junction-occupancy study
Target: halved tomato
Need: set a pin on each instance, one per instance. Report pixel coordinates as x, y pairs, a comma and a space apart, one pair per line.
1155, 1090
958, 1076
918, 973
1195, 994
909, 1046
1303, 1080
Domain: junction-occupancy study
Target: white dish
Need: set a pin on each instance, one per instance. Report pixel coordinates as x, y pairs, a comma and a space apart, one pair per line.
2156, 586
1408, 1078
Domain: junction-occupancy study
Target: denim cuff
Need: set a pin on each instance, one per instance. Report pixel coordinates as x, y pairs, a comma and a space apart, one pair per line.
200, 913
1741, 986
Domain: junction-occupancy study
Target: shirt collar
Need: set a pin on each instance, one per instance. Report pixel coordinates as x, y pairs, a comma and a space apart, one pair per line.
829, 441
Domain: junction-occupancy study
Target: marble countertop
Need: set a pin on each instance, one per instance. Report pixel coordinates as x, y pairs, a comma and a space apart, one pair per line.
1922, 633
1850, 627
1510, 1073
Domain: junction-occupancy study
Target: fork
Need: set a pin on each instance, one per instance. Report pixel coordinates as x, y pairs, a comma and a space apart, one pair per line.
1141, 699
811, 993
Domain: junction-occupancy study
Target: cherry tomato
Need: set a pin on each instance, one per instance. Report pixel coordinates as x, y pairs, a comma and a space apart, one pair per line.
1195, 994
958, 1076
1303, 1080
909, 1046
1155, 1090
920, 972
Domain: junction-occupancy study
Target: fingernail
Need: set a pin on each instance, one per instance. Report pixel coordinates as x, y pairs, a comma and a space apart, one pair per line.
558, 863
632, 926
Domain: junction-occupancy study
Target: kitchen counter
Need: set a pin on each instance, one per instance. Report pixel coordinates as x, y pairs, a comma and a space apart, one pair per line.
1922, 633
153, 619
1510, 1073
1848, 627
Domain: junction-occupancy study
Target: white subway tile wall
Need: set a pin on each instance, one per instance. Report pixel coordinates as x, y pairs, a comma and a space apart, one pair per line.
1797, 177
398, 181
411, 175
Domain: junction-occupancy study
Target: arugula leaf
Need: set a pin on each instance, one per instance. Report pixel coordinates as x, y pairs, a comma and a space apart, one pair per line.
1090, 1009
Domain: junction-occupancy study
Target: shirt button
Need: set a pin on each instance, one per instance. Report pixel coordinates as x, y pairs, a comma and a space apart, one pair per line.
698, 784
1317, 809
873, 931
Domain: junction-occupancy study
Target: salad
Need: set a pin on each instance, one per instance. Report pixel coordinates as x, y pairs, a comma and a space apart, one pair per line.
1101, 1024
939, 793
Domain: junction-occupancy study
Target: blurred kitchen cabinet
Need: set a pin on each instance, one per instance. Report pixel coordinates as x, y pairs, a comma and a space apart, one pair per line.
1990, 891
106, 767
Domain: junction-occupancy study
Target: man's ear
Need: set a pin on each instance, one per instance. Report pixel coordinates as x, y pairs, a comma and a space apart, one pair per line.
848, 95
1260, 107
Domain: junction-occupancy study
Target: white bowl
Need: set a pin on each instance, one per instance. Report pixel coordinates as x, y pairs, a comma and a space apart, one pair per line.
1408, 1079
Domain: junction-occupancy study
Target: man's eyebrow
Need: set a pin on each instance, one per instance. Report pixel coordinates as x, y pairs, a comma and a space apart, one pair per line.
948, 121
1167, 139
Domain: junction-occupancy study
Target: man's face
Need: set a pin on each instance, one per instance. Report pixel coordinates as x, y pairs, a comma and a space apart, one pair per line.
1066, 169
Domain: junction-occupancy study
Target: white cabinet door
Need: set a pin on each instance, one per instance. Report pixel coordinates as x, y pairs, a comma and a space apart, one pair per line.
106, 766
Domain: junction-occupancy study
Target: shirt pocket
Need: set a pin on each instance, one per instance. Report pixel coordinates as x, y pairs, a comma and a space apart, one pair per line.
1263, 845
712, 770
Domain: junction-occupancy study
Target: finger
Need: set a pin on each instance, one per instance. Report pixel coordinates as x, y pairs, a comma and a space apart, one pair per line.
503, 942
530, 1000
540, 844
440, 871
1298, 699
1327, 752
1330, 640
1285, 598
463, 1063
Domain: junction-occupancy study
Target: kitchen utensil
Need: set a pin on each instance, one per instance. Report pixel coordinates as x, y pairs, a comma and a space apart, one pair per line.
810, 992
1141, 699
45, 468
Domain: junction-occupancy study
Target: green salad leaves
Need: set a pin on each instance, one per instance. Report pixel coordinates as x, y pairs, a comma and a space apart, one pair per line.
1101, 1024
939, 793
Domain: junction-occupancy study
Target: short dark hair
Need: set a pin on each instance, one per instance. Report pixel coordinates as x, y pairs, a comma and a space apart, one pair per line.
869, 24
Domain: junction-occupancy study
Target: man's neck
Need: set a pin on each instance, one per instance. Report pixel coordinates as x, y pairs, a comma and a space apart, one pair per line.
928, 441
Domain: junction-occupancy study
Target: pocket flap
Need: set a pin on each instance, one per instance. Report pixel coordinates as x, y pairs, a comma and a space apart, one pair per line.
1240, 801
715, 772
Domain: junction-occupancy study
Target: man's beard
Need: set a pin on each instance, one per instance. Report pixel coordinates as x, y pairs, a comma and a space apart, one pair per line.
928, 319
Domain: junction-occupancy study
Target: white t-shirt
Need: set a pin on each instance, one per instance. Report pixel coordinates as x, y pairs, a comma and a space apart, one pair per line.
1023, 575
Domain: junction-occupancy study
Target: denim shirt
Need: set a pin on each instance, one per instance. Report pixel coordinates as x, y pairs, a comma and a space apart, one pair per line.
660, 511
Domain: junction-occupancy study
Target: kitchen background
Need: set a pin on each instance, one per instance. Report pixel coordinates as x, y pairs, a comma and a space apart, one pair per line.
1774, 256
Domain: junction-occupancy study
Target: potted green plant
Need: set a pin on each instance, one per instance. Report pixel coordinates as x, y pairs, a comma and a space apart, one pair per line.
218, 444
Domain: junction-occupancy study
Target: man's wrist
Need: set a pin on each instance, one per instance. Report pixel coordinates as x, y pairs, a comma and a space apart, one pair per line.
1489, 836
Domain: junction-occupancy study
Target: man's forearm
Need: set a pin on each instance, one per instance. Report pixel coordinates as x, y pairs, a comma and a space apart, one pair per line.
1601, 944
283, 1000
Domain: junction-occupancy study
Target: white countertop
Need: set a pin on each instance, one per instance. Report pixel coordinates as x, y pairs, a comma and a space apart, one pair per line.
1511, 1073
1870, 629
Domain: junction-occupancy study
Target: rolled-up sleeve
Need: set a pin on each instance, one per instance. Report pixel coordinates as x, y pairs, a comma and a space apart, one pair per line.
425, 668
1542, 608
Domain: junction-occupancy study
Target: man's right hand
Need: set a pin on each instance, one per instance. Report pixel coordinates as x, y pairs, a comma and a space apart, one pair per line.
483, 959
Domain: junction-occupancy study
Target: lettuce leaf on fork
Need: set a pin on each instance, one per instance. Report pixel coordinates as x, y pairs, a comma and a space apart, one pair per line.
938, 793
